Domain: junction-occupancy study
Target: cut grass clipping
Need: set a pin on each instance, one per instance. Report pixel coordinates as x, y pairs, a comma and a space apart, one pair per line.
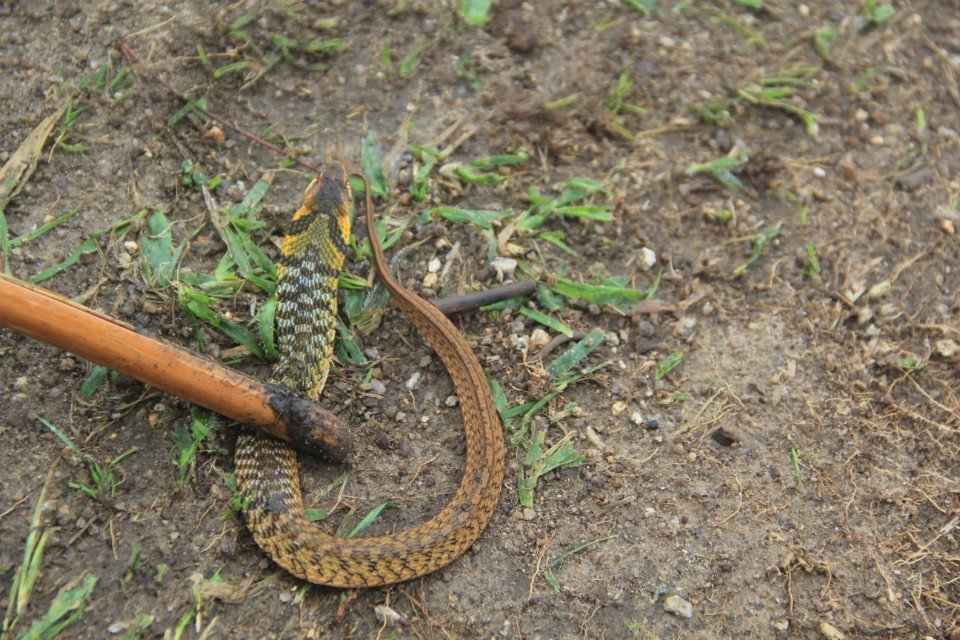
188, 442
475, 13
540, 459
67, 606
774, 91
103, 483
556, 563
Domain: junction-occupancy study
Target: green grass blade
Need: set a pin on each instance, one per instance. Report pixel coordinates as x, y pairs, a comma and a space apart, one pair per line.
764, 236
89, 245
477, 217
475, 13
371, 159
4, 241
599, 293
233, 67
587, 212
65, 439
266, 319
39, 231
548, 299
499, 397
66, 608
346, 349
669, 364
156, 247
411, 62
547, 321
369, 518
501, 160
571, 357
93, 382
556, 239
316, 515
198, 304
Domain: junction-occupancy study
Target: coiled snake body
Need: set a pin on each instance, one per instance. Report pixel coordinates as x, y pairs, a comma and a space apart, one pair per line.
312, 256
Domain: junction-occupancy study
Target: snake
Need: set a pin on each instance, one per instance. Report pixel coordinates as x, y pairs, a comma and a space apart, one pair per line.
312, 255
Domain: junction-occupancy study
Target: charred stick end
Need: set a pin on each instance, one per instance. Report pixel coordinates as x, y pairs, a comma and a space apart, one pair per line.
306, 426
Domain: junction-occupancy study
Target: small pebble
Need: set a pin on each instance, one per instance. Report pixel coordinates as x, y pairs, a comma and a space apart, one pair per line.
618, 407
131, 246
434, 265
377, 387
684, 327
414, 380
648, 258
877, 141
424, 361
505, 267
948, 348
727, 436
830, 632
946, 225
636, 418
538, 339
389, 617
451, 401
118, 627
678, 607
228, 546
285, 597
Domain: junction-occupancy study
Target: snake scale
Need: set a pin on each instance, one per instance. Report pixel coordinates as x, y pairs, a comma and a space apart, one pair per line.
311, 257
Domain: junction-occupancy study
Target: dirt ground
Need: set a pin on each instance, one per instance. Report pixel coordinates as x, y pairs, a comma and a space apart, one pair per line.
795, 476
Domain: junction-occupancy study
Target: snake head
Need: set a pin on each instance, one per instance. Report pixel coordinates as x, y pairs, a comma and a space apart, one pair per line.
328, 195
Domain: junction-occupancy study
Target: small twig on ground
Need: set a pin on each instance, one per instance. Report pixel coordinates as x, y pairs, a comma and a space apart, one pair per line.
130, 58
536, 570
459, 304
13, 507
739, 503
128, 52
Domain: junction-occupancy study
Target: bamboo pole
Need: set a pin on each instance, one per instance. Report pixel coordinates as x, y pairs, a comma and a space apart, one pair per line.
48, 317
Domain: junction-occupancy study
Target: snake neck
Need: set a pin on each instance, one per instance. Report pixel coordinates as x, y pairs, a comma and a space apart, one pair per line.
311, 258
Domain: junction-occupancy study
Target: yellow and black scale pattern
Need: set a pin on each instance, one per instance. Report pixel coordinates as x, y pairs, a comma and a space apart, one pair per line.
311, 258
266, 468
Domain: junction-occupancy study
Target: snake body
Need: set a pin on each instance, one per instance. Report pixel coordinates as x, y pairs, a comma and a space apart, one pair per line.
312, 256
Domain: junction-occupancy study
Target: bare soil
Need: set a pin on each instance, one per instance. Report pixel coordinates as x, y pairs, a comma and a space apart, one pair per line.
827, 504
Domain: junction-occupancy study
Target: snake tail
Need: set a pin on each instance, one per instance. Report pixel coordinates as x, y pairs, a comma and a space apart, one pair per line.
312, 256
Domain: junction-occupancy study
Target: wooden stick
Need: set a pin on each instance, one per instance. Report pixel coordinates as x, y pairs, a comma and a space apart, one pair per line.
475, 299
46, 316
